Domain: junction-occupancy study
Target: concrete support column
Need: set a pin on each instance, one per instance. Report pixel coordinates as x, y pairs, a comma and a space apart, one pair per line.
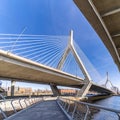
84, 90
55, 90
12, 87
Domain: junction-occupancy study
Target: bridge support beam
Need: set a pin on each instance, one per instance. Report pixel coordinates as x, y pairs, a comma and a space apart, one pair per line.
55, 90
12, 87
84, 90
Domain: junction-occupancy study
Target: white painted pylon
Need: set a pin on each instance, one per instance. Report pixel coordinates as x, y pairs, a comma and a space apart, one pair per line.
70, 47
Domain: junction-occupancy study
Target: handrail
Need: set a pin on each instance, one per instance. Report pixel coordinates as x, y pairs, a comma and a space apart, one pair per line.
19, 103
95, 106
65, 101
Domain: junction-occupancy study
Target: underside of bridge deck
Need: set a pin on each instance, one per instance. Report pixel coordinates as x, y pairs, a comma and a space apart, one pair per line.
104, 16
18, 68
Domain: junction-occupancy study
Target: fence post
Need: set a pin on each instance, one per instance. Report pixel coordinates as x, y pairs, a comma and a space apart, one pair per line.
85, 118
20, 104
13, 106
74, 110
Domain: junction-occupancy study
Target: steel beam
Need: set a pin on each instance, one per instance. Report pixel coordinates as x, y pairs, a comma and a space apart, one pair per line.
116, 35
111, 12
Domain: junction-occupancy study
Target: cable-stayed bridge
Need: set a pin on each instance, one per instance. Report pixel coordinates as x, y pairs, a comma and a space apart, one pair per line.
44, 59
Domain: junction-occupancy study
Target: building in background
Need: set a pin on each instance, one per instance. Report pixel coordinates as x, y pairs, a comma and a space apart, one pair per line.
68, 91
20, 91
26, 91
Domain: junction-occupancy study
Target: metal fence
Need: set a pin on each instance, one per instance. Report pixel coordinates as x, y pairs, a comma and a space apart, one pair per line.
77, 110
11, 106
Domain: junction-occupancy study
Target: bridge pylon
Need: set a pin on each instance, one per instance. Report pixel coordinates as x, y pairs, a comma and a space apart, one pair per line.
87, 81
114, 89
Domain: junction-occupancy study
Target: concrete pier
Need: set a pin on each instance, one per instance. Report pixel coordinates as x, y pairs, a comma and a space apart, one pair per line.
12, 87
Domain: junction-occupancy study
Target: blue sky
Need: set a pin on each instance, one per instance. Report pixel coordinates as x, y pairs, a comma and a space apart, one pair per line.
56, 17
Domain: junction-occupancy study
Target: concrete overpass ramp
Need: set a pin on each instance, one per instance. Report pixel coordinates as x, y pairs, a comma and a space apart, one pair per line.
104, 16
21, 69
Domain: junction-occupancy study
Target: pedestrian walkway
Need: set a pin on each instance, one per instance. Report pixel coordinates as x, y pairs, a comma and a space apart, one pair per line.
47, 110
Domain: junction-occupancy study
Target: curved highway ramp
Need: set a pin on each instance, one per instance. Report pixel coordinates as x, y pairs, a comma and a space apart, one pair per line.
21, 69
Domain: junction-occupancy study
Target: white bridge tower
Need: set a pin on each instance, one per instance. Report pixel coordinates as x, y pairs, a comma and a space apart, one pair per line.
87, 82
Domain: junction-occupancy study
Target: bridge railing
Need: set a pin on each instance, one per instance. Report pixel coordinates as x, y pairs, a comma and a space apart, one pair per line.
11, 106
85, 111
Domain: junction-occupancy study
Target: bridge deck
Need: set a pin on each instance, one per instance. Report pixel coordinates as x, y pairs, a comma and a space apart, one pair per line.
15, 67
47, 110
21, 69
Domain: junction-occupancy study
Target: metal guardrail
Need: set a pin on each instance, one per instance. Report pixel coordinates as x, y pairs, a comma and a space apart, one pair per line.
17, 104
84, 111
